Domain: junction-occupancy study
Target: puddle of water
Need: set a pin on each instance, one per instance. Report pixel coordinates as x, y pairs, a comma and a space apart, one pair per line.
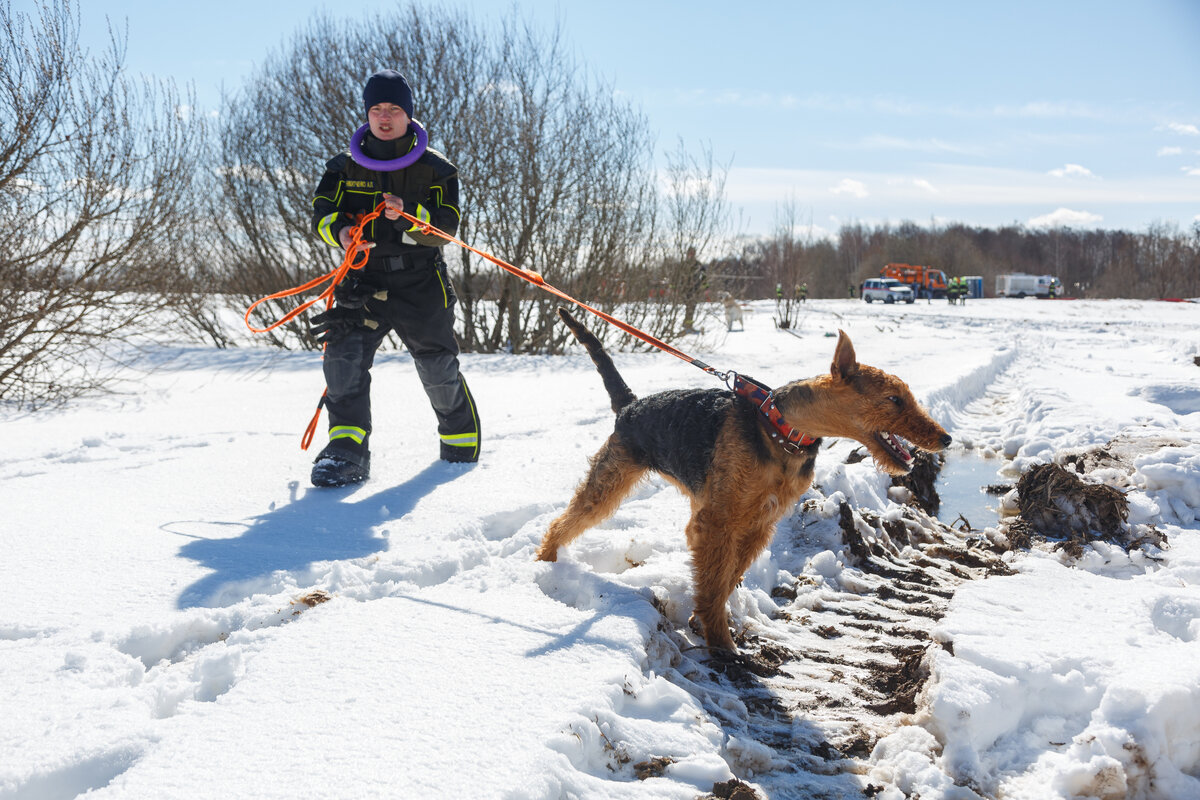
961, 485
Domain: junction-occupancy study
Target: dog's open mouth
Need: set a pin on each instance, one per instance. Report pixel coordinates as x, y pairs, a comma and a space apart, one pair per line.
897, 448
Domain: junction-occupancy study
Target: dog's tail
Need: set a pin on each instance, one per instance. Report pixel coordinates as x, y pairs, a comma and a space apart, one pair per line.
618, 391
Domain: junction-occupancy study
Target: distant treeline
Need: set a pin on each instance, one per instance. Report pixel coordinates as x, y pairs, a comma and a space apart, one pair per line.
1163, 261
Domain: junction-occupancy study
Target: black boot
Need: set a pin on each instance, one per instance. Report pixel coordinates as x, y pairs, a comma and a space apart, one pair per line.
341, 463
460, 455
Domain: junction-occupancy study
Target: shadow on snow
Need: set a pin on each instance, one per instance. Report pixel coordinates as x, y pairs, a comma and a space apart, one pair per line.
320, 525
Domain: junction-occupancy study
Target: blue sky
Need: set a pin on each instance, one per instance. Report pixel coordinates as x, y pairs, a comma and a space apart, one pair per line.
1085, 114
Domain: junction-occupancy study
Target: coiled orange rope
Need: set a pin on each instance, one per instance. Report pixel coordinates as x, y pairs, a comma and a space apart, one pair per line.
355, 258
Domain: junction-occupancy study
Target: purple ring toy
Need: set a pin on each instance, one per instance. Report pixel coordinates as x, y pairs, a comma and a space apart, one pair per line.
403, 161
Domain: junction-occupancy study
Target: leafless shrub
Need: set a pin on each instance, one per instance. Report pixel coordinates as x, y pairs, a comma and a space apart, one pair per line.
94, 171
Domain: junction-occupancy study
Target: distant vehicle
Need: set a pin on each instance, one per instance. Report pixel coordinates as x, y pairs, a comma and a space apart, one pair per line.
924, 281
1020, 284
889, 290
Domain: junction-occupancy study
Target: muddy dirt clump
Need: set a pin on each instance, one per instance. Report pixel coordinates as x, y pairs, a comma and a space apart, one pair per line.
921, 480
1056, 504
901, 684
732, 790
928, 537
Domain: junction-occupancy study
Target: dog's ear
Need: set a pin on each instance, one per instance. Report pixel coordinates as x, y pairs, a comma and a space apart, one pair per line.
845, 364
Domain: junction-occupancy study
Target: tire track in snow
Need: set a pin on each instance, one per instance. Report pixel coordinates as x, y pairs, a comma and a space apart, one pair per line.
949, 404
840, 662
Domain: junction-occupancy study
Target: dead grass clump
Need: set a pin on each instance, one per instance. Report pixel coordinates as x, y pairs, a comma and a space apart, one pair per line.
1057, 502
653, 768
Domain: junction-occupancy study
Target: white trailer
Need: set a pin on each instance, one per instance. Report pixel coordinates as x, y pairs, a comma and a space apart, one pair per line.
1020, 284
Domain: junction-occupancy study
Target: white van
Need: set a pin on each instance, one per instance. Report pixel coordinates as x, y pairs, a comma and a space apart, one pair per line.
889, 290
1020, 284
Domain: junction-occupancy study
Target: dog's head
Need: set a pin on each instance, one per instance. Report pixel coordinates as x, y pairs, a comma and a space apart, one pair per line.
860, 402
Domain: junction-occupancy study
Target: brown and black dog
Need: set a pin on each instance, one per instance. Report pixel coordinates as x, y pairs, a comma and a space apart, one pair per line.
717, 447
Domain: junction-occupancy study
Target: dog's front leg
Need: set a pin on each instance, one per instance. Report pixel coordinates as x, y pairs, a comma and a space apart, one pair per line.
714, 558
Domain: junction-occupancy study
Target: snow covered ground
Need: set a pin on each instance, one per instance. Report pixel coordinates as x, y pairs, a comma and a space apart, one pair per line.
186, 617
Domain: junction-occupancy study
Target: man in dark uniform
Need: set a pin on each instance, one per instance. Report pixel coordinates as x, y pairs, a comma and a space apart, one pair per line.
696, 282
404, 286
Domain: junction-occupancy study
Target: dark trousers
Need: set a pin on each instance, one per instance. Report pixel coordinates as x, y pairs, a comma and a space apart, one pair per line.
420, 309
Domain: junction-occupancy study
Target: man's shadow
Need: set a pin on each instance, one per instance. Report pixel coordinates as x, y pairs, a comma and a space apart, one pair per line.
317, 526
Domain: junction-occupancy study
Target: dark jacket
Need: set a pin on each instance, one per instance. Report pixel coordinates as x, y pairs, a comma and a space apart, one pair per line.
429, 189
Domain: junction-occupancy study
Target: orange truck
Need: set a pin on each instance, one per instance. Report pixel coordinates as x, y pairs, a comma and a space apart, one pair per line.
925, 281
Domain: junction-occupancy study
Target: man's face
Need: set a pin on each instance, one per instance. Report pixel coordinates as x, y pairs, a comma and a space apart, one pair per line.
387, 121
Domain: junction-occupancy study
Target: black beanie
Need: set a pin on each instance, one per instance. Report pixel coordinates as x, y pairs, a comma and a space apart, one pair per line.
388, 86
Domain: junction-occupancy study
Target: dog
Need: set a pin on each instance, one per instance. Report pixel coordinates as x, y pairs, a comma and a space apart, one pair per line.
733, 311
742, 463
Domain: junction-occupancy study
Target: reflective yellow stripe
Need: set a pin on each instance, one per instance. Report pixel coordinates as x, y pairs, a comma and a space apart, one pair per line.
347, 432
445, 294
324, 228
421, 214
461, 439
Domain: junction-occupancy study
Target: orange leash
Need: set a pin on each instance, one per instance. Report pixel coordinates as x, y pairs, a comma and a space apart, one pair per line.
762, 397
538, 280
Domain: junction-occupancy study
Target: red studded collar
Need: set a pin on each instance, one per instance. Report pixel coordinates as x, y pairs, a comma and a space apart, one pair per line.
787, 436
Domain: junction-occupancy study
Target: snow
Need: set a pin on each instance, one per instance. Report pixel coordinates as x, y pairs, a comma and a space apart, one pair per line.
160, 545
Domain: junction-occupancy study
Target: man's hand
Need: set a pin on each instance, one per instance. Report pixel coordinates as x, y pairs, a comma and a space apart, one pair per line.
394, 206
354, 292
337, 323
346, 238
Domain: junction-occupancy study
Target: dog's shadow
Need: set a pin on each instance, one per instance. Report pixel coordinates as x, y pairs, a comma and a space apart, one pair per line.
318, 525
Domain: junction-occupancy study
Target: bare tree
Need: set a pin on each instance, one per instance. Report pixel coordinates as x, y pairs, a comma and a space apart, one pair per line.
562, 186
94, 171
697, 226
787, 264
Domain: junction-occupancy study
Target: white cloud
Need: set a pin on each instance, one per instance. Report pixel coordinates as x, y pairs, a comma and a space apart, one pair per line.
1046, 109
1183, 129
921, 183
1170, 151
881, 142
1072, 170
850, 187
1193, 172
1064, 218
813, 233
985, 196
